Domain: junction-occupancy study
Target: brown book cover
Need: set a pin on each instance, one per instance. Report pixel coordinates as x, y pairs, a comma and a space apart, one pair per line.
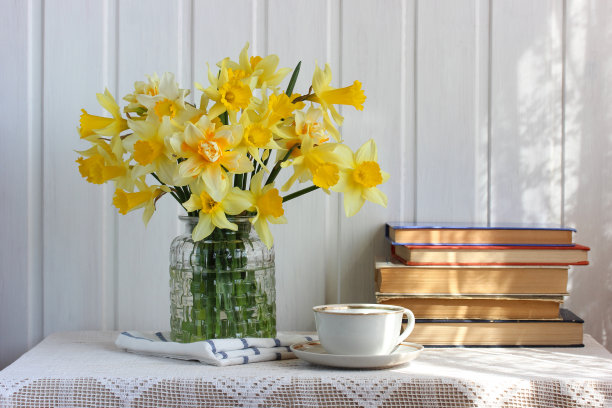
449, 234
490, 255
395, 277
566, 331
477, 306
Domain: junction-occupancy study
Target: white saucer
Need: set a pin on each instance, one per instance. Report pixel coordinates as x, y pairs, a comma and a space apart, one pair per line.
313, 352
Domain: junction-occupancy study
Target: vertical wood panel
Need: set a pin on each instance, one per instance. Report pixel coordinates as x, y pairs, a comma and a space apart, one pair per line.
14, 184
302, 246
452, 57
109, 214
372, 50
213, 41
149, 42
73, 230
526, 112
588, 154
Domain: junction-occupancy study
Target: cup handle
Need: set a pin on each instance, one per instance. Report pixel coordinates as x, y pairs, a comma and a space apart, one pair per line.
409, 326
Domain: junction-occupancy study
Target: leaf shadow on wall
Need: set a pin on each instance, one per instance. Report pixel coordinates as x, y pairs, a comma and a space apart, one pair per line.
588, 165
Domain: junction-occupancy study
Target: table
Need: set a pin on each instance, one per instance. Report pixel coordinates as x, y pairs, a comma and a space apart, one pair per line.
78, 369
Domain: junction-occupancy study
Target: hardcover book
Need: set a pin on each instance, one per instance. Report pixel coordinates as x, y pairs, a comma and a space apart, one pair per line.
463, 234
566, 331
505, 307
396, 277
490, 255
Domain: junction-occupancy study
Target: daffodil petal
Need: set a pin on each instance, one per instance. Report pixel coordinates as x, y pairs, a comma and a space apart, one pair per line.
261, 226
367, 152
220, 220
277, 220
376, 196
217, 109
256, 181
353, 201
193, 204
190, 167
192, 134
237, 201
215, 180
204, 227
167, 86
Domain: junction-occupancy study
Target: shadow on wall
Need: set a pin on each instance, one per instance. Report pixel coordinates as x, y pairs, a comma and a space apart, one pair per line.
535, 171
526, 138
588, 121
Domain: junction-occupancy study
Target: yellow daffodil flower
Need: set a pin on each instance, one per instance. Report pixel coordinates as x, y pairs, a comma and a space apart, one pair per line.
167, 100
262, 68
258, 134
269, 206
316, 163
146, 197
359, 177
212, 212
281, 106
304, 132
231, 90
99, 165
329, 96
209, 151
95, 170
151, 87
98, 125
152, 150
309, 126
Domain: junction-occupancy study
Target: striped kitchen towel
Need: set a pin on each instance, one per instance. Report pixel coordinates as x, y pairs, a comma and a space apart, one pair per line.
219, 352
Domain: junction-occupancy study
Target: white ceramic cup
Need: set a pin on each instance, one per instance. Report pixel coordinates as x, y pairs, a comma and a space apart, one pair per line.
361, 329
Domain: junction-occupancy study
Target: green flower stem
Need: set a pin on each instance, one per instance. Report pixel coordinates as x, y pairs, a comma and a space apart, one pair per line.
224, 117
238, 180
186, 192
277, 166
171, 192
299, 193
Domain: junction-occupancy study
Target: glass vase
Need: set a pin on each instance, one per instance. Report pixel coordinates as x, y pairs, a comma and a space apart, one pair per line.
222, 286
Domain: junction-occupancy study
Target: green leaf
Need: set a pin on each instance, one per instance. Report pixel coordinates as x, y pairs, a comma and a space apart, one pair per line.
224, 117
293, 79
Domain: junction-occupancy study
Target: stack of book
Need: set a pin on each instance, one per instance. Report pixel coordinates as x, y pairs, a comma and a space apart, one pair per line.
482, 286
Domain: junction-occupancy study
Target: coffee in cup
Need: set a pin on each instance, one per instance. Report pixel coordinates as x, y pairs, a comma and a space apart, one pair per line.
361, 329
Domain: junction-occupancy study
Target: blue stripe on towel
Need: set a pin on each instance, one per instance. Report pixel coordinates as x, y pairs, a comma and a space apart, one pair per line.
256, 350
223, 354
288, 348
160, 336
135, 337
245, 359
246, 345
212, 345
278, 356
277, 342
308, 338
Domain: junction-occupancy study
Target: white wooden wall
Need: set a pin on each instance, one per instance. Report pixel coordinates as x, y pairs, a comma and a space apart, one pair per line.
483, 111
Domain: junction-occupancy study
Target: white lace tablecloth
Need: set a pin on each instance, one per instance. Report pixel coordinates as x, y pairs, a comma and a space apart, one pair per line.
85, 369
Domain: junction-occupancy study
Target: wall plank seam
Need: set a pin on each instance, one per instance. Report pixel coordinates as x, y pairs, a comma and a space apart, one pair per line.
404, 114
35, 136
563, 68
339, 212
489, 99
415, 158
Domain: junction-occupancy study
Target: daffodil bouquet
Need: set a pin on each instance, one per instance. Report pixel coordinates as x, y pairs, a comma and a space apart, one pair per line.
221, 157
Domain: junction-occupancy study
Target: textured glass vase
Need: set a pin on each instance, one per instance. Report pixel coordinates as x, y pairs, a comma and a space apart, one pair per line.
222, 286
